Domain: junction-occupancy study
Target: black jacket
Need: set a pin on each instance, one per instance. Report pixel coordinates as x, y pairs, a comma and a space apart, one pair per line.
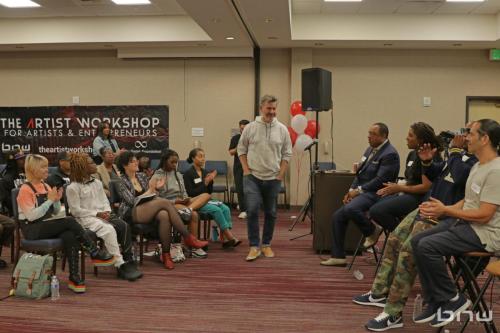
196, 185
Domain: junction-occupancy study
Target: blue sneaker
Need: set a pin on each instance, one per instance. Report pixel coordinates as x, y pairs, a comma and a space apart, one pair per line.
370, 299
428, 313
449, 311
384, 322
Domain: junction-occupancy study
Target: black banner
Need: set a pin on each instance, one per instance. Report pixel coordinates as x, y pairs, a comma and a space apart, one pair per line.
50, 130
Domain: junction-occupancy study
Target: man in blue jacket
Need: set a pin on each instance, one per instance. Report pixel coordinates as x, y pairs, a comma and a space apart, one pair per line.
379, 165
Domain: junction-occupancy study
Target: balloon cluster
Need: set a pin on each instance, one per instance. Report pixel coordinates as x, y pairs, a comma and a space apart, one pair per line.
302, 131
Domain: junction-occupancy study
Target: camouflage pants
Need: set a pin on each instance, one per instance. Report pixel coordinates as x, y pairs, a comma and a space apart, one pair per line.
398, 271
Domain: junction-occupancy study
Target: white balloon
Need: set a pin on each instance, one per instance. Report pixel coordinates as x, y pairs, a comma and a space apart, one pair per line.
299, 123
302, 142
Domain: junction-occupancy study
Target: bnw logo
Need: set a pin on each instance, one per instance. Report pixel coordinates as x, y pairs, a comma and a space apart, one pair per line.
8, 147
141, 144
479, 317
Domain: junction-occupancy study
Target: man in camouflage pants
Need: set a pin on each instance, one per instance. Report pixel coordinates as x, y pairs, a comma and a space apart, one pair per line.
397, 272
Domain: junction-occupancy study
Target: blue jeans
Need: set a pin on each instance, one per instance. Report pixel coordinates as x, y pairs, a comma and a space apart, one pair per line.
259, 192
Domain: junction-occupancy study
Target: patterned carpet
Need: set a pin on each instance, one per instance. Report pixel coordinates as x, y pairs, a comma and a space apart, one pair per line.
223, 293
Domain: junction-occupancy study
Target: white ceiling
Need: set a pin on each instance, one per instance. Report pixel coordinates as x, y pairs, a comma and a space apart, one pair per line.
394, 7
170, 28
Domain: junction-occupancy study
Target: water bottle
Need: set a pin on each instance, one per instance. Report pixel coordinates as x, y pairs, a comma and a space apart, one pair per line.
417, 306
54, 288
358, 275
215, 234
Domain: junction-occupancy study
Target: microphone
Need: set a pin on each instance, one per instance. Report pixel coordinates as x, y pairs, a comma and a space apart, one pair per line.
311, 145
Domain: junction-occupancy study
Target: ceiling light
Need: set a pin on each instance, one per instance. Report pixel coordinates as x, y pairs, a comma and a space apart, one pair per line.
132, 2
268, 20
342, 0
229, 38
464, 0
19, 3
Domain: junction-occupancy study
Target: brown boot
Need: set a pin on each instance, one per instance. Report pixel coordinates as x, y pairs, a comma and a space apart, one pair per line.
194, 242
167, 261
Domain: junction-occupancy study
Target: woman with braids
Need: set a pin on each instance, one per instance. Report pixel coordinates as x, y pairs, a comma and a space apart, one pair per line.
175, 191
88, 203
198, 181
140, 204
39, 206
400, 199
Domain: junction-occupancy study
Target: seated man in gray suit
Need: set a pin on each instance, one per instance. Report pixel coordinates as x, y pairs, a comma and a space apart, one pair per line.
379, 165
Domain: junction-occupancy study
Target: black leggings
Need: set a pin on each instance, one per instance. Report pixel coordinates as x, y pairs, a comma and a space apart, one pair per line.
66, 228
70, 231
165, 213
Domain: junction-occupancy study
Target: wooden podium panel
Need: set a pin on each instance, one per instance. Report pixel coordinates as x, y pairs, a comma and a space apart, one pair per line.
330, 189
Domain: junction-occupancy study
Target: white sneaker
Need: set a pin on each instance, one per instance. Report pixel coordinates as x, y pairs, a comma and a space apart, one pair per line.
199, 253
176, 253
243, 215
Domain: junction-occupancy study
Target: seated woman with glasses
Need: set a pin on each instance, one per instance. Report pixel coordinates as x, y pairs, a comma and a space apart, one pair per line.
140, 204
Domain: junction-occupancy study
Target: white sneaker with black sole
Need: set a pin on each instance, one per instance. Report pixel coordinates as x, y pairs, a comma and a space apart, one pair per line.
199, 253
370, 299
384, 322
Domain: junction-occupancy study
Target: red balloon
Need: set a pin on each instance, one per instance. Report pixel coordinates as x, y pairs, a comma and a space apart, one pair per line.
296, 108
311, 128
293, 135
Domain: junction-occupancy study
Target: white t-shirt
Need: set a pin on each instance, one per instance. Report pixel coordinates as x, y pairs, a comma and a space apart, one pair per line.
483, 185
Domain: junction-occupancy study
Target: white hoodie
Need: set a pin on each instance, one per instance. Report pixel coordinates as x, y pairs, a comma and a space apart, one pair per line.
266, 145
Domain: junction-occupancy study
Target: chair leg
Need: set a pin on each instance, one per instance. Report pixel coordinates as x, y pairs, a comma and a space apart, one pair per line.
82, 264
356, 253
379, 261
63, 262
474, 291
54, 263
475, 306
141, 248
12, 249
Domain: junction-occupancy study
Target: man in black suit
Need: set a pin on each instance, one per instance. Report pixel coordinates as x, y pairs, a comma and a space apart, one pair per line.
379, 165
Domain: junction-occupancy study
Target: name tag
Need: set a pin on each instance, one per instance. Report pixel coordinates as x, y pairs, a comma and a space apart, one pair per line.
465, 158
475, 188
410, 163
363, 158
197, 180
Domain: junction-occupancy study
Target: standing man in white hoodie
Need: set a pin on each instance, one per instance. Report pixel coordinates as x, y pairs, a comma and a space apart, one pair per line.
264, 150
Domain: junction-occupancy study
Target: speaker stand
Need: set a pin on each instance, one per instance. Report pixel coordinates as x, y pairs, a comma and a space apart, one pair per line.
308, 209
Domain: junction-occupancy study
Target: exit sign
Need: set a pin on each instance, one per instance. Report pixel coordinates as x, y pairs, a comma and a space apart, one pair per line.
495, 54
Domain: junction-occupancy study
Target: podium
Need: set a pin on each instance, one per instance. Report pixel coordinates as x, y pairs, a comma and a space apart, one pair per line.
330, 188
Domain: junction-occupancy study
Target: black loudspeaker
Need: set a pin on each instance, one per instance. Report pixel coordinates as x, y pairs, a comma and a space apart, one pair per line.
316, 89
330, 190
